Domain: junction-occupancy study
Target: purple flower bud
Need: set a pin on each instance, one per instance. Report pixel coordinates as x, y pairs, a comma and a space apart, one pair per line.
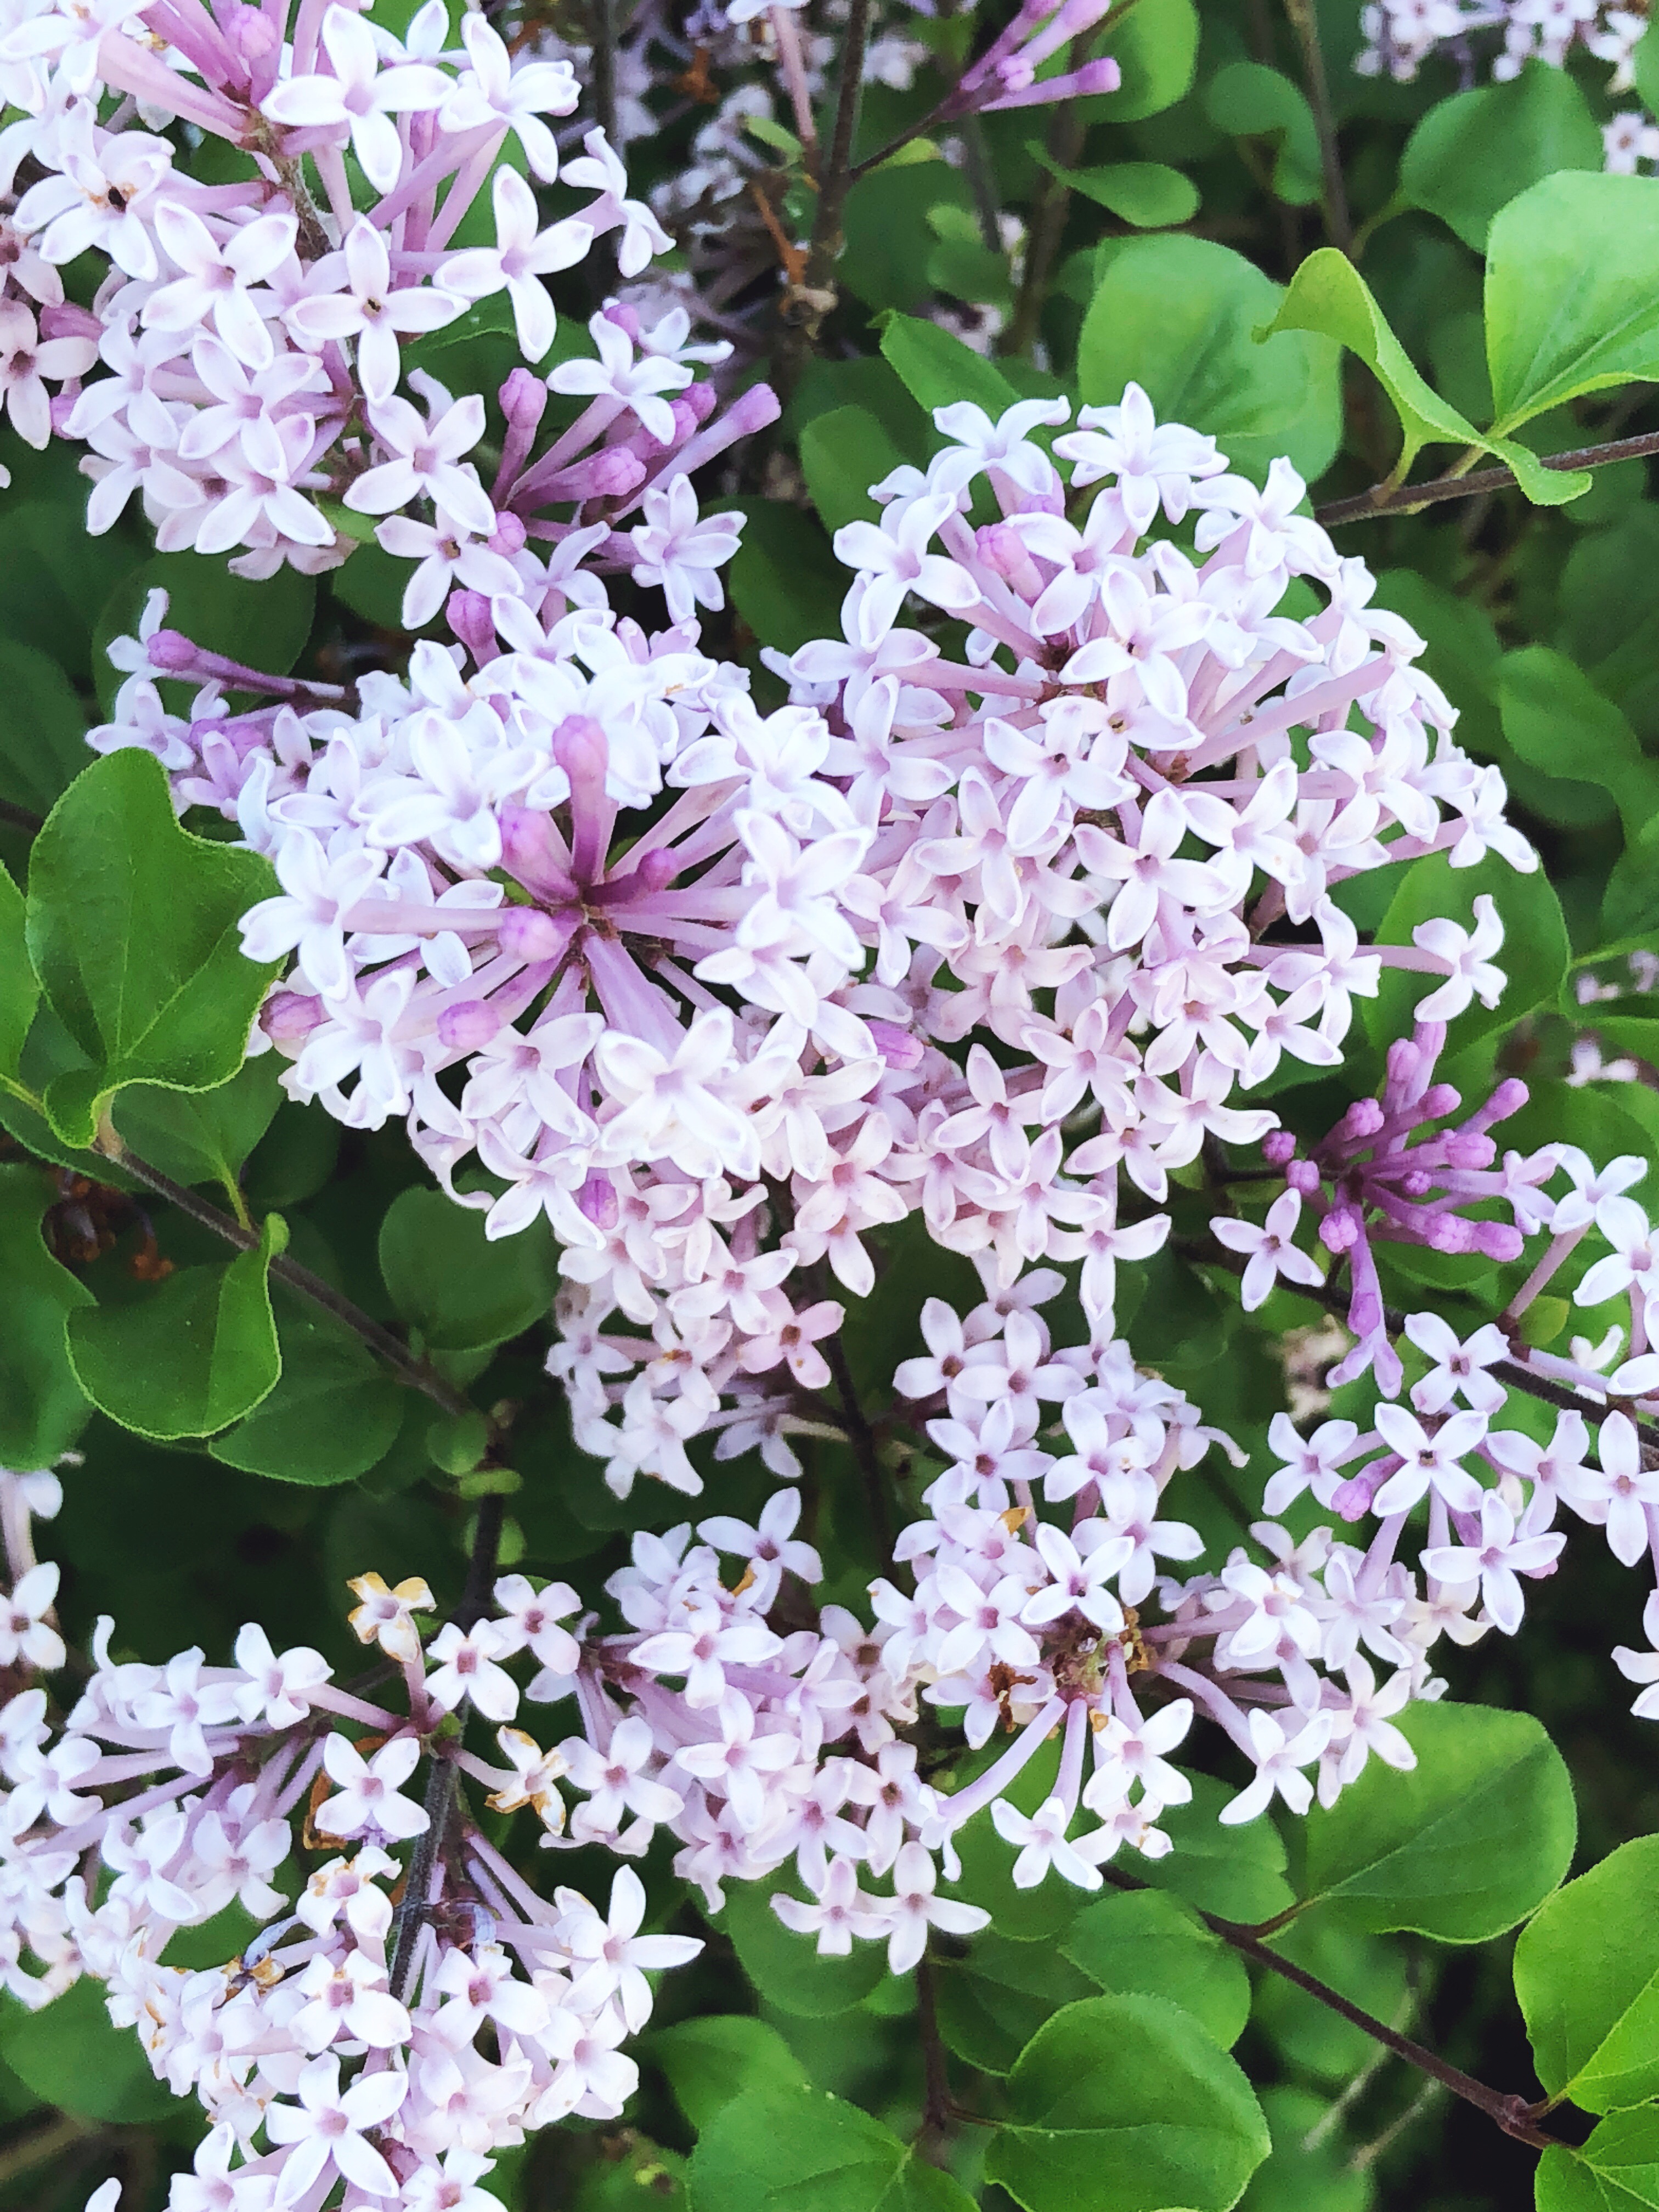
523, 397
531, 851
1341, 1229
596, 1197
1469, 1150
468, 615
897, 1046
466, 1026
288, 1018
625, 317
614, 473
702, 398
1352, 1498
1303, 1176
1278, 1147
529, 934
1497, 1240
171, 650
1001, 549
657, 870
510, 535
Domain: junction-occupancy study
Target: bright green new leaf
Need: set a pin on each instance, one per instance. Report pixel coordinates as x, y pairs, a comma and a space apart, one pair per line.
1146, 1943
1248, 100
1470, 1841
132, 929
710, 2061
1148, 194
462, 1292
1178, 316
334, 1412
843, 454
191, 1355
936, 369
803, 2150
1616, 2171
1155, 47
1533, 954
1123, 2104
1328, 295
1557, 720
1473, 153
1587, 1975
20, 989
42, 1407
1572, 292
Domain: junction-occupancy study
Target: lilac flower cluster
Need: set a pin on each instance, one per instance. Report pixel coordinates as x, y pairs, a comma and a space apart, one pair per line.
715, 1042
240, 367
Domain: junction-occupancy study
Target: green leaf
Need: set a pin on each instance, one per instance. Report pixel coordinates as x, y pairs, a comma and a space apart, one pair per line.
19, 988
1473, 154
1156, 48
1469, 1842
786, 1968
803, 2150
1238, 1873
43, 728
42, 1406
1248, 100
1146, 1943
70, 2054
890, 236
784, 574
1587, 1975
333, 1413
936, 368
264, 625
1557, 720
1123, 2104
1617, 2170
132, 929
843, 454
1301, 2176
1534, 957
205, 1136
1310, 2039
992, 2003
191, 1355
1572, 292
449, 1281
1178, 316
54, 578
1148, 194
1328, 295
723, 2055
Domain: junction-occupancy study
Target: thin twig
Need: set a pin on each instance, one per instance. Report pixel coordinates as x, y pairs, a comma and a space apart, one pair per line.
442, 1781
1050, 205
1410, 498
1338, 226
938, 2104
22, 817
805, 304
42, 2143
1512, 2114
409, 1366
861, 1437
